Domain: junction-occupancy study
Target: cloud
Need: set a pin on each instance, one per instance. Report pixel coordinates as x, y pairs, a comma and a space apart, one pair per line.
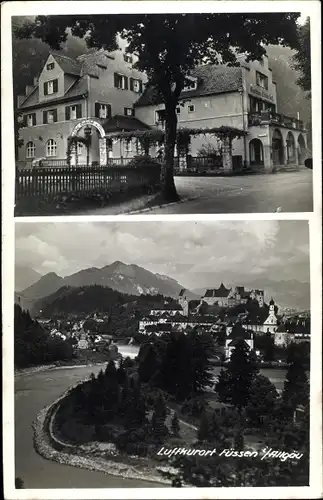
191, 252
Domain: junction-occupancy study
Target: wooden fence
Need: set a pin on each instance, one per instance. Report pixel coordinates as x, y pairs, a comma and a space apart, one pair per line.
82, 181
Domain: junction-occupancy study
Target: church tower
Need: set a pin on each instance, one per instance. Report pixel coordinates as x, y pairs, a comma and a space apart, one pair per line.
271, 322
182, 300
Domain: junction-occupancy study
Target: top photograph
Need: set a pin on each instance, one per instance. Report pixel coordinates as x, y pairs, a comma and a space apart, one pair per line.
162, 114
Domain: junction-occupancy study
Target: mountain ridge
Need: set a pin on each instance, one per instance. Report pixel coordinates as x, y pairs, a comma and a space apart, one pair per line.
125, 278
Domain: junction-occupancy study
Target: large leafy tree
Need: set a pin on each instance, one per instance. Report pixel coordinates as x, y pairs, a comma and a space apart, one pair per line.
302, 58
169, 46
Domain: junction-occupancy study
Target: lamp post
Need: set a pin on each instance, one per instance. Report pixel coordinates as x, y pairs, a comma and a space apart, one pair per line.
87, 135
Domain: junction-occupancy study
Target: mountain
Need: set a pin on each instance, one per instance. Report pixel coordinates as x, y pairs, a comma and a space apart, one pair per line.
125, 278
25, 276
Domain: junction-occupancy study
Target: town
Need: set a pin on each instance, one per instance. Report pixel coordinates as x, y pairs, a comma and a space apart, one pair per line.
177, 364
226, 314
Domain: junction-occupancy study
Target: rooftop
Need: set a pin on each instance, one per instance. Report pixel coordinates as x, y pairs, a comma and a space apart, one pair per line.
222, 291
211, 79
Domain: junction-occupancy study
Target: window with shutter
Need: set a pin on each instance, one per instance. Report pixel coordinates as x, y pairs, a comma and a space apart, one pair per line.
79, 111
55, 85
44, 116
34, 118
50, 88
116, 80
97, 109
136, 86
73, 112
125, 82
131, 83
55, 115
30, 121
46, 88
67, 113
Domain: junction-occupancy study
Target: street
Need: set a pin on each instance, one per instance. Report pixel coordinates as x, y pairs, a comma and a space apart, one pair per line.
282, 192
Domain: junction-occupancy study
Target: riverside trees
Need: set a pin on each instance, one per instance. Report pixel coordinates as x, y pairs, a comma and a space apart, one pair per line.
34, 345
168, 47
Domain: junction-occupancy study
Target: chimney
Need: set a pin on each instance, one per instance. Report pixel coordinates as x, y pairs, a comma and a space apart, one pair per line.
20, 100
28, 89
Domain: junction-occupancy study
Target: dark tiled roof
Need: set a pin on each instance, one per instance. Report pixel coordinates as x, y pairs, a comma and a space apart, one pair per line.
212, 79
222, 291
126, 123
68, 65
80, 87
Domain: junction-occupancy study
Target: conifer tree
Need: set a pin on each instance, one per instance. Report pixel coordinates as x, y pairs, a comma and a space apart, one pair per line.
234, 385
175, 424
204, 430
296, 387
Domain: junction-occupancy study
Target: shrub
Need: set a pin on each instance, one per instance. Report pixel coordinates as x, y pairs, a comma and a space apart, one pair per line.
143, 161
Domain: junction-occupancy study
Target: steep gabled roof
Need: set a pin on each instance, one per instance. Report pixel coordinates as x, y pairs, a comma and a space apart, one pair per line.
211, 78
69, 66
79, 88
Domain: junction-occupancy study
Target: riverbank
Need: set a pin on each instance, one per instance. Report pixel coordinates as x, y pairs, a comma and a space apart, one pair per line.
91, 456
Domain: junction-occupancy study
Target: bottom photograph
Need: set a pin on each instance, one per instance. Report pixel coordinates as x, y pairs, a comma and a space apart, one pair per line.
162, 354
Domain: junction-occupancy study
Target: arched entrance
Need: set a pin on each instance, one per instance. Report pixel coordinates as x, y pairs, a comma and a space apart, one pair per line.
256, 152
301, 149
291, 148
277, 148
96, 148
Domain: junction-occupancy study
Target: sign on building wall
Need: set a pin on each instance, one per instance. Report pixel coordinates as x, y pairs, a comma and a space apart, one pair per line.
259, 92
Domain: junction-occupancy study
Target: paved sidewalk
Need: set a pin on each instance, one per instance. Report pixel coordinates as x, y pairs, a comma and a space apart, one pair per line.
280, 192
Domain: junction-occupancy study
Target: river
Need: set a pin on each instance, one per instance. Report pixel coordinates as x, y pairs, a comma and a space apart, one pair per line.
35, 391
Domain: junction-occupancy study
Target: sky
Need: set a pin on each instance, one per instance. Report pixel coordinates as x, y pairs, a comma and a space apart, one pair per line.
194, 253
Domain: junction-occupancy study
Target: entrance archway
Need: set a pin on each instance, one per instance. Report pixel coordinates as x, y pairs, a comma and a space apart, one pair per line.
301, 149
97, 152
290, 148
277, 148
256, 152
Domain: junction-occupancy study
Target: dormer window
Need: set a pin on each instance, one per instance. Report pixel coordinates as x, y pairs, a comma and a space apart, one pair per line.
51, 87
50, 66
127, 58
190, 84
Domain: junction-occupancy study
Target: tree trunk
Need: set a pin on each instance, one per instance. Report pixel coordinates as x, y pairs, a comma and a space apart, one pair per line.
167, 175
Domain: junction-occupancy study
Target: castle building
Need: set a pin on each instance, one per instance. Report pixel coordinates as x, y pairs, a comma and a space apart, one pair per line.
230, 297
242, 97
88, 97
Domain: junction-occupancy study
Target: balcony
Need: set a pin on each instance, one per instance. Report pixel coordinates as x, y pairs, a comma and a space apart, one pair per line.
264, 117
